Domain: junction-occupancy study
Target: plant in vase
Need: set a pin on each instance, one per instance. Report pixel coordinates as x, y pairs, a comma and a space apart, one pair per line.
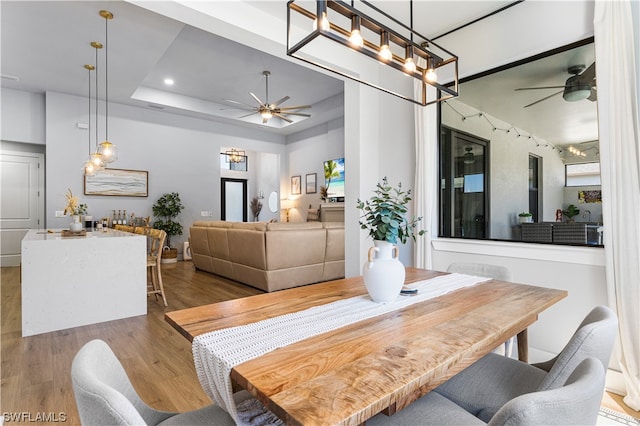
384, 218
74, 209
167, 208
570, 212
525, 217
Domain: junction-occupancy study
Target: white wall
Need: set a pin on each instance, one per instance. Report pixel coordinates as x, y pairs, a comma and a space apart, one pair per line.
306, 153
180, 153
22, 116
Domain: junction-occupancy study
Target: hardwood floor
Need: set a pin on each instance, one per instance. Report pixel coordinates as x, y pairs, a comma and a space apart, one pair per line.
35, 371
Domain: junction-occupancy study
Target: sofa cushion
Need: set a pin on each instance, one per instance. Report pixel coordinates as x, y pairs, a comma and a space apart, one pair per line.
293, 226
290, 248
247, 247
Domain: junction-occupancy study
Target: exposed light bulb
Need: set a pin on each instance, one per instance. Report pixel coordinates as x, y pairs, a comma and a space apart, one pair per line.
88, 168
356, 38
169, 81
266, 113
385, 52
324, 23
409, 64
108, 151
431, 76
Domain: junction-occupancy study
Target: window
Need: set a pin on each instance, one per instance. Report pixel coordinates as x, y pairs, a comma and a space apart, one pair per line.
584, 174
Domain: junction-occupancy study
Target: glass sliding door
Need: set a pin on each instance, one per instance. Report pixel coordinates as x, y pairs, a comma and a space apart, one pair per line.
464, 187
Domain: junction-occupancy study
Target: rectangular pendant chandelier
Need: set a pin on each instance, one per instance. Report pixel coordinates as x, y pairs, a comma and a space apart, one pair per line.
315, 29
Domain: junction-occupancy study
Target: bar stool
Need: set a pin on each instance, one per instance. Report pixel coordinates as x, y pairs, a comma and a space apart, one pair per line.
156, 238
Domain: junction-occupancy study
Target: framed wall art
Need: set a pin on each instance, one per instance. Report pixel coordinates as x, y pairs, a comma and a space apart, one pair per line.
310, 183
118, 182
296, 187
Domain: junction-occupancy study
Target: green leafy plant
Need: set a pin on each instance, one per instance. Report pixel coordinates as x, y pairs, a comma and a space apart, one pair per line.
525, 214
384, 215
571, 211
167, 208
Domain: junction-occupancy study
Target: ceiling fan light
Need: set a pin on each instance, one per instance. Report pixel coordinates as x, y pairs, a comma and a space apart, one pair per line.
266, 113
469, 158
576, 92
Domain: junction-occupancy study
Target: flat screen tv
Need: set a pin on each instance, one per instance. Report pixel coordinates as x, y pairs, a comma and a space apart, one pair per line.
334, 178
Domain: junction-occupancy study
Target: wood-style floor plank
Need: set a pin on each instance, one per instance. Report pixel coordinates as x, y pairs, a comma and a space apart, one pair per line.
35, 370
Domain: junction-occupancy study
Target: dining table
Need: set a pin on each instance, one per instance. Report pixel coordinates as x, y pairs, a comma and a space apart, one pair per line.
382, 363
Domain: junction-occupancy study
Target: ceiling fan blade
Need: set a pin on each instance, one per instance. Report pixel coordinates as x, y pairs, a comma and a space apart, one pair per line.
238, 103
588, 75
283, 117
247, 115
295, 113
544, 87
543, 99
238, 109
256, 98
294, 107
278, 102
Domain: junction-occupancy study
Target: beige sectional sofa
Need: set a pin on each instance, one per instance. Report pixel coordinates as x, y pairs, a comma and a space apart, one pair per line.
269, 256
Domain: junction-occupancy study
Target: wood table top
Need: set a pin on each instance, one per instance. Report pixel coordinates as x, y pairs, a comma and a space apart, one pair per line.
350, 374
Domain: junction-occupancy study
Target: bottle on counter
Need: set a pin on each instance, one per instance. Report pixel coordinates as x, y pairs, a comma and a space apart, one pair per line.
124, 217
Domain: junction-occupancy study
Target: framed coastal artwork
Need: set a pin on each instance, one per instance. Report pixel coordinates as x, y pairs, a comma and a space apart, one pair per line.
296, 186
118, 182
310, 183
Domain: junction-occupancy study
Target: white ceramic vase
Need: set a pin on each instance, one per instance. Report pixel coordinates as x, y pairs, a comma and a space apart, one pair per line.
75, 225
383, 273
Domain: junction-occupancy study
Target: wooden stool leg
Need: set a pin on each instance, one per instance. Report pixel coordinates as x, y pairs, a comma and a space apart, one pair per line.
161, 286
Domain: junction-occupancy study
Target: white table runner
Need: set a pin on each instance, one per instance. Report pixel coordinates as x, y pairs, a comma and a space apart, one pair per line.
217, 352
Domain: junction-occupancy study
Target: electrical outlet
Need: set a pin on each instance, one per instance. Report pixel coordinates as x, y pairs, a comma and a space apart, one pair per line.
205, 214
59, 213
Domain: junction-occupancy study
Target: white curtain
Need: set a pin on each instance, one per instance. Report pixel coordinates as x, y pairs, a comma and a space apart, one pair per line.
425, 194
616, 79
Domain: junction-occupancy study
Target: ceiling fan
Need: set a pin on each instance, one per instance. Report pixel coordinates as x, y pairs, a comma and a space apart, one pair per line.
581, 85
268, 110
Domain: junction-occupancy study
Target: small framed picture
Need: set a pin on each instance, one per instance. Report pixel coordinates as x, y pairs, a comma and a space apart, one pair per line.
296, 188
310, 183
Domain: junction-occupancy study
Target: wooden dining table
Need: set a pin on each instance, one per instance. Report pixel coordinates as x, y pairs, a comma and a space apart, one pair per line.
345, 376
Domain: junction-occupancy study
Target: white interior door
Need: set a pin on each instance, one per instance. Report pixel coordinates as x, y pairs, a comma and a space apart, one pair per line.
21, 201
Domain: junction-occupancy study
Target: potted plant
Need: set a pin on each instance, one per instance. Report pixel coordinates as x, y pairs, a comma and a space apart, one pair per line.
525, 217
571, 212
384, 218
256, 208
167, 208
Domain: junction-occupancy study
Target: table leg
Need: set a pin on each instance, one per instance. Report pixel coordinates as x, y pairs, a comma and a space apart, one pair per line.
523, 346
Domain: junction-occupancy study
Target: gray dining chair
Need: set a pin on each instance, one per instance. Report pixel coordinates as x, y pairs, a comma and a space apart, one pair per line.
576, 402
496, 272
485, 386
104, 395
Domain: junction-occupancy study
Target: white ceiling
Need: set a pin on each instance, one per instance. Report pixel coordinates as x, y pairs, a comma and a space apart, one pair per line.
46, 44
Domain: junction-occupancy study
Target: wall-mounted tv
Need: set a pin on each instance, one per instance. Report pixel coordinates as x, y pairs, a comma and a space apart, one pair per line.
334, 178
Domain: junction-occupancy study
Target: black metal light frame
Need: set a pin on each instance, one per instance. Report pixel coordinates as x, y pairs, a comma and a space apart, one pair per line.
370, 49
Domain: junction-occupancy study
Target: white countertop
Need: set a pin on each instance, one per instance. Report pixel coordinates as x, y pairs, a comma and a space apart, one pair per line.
55, 234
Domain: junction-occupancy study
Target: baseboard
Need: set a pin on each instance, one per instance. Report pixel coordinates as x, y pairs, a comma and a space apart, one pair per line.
614, 382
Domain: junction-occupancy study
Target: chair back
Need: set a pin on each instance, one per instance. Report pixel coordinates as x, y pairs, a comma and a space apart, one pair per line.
158, 238
575, 403
103, 393
482, 270
594, 338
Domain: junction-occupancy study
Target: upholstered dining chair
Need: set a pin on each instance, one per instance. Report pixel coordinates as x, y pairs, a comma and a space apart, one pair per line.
496, 272
104, 395
485, 386
156, 242
576, 402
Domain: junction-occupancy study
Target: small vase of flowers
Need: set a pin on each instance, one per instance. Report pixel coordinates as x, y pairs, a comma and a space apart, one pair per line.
75, 209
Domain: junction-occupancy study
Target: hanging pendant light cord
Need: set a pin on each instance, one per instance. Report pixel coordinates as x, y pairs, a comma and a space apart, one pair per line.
97, 99
106, 80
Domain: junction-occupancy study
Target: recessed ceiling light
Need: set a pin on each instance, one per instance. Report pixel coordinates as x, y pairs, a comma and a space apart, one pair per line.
169, 81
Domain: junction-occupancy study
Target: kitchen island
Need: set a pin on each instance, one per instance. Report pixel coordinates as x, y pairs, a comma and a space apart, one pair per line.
80, 280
